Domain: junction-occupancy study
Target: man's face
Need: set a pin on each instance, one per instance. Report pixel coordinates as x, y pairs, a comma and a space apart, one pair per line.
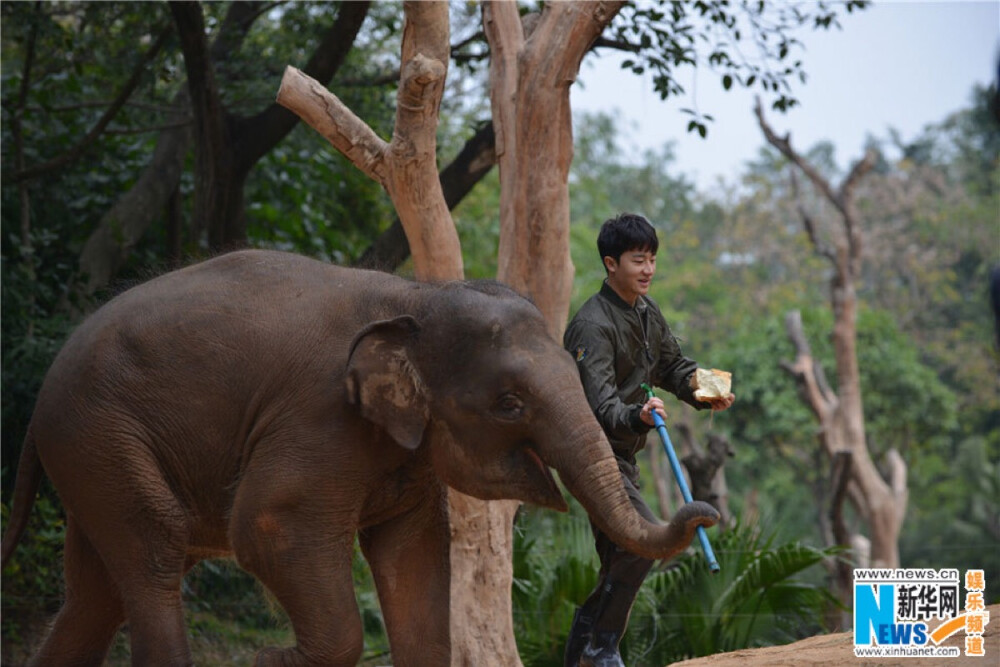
631, 275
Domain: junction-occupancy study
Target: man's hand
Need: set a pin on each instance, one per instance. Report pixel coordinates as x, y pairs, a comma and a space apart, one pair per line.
647, 411
722, 403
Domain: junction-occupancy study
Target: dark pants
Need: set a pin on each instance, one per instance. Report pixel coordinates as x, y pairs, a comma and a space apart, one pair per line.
606, 611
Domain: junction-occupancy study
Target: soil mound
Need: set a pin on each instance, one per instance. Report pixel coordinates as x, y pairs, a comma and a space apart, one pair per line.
837, 650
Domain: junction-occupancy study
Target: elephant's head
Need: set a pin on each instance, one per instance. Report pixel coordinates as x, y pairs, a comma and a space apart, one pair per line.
474, 376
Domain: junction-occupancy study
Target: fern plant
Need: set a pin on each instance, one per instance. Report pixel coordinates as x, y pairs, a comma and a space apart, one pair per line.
555, 568
759, 598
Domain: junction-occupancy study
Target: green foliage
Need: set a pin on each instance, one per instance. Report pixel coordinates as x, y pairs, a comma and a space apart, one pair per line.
33, 579
290, 207
555, 568
683, 610
477, 219
757, 599
957, 518
221, 588
715, 35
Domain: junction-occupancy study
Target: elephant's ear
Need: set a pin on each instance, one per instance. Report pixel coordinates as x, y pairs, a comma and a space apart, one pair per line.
382, 380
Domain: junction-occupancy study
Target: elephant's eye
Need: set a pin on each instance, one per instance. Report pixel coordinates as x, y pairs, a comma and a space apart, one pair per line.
509, 406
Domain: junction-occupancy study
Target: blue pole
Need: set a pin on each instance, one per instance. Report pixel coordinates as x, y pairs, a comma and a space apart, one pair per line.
675, 464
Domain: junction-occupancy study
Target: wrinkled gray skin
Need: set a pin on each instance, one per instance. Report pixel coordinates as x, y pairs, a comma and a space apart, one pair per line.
272, 407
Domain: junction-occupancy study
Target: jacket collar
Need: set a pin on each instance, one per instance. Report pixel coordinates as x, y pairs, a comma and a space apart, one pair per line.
611, 295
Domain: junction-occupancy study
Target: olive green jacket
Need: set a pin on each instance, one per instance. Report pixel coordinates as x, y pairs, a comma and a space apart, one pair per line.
618, 347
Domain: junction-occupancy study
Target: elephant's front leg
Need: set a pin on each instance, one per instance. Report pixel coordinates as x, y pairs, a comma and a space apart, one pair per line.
308, 570
409, 559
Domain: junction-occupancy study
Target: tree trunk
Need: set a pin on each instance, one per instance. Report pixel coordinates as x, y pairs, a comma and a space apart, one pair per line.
881, 502
406, 168
705, 466
228, 146
136, 211
530, 78
133, 213
218, 204
471, 164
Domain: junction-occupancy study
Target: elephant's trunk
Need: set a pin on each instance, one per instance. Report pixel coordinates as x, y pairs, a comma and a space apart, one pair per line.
588, 468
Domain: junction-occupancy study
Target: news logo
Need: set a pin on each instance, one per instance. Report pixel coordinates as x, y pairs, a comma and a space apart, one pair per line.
910, 612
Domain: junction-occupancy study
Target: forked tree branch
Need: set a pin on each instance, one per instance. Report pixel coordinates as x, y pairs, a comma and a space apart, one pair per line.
324, 112
811, 382
821, 247
407, 165
784, 146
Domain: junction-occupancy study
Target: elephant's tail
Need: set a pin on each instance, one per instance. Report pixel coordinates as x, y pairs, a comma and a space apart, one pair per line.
29, 477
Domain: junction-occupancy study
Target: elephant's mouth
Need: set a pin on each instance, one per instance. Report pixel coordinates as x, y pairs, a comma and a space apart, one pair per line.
553, 497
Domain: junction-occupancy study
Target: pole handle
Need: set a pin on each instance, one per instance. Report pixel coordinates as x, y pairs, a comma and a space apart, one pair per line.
675, 465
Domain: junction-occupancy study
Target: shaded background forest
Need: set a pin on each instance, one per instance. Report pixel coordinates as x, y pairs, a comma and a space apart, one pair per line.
101, 168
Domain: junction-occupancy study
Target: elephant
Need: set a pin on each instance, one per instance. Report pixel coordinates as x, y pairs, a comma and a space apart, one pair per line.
271, 408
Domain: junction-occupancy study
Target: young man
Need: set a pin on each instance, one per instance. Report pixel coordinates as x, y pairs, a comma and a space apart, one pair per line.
620, 341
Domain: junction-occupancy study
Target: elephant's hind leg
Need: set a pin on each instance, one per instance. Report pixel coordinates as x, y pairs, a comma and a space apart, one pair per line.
148, 564
139, 529
92, 612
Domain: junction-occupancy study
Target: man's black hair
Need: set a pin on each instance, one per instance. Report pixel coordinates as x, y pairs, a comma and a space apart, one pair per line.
624, 232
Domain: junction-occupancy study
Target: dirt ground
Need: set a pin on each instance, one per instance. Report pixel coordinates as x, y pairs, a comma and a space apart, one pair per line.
837, 650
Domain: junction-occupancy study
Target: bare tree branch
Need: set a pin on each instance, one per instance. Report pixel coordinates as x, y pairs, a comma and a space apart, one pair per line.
847, 196
335, 122
840, 414
858, 171
479, 35
784, 146
259, 133
406, 166
840, 476
616, 45
814, 392
819, 245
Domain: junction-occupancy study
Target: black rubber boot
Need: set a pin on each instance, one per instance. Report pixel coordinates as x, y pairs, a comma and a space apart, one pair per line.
579, 636
602, 651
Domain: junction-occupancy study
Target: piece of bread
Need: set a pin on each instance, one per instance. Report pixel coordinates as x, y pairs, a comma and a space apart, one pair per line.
712, 383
